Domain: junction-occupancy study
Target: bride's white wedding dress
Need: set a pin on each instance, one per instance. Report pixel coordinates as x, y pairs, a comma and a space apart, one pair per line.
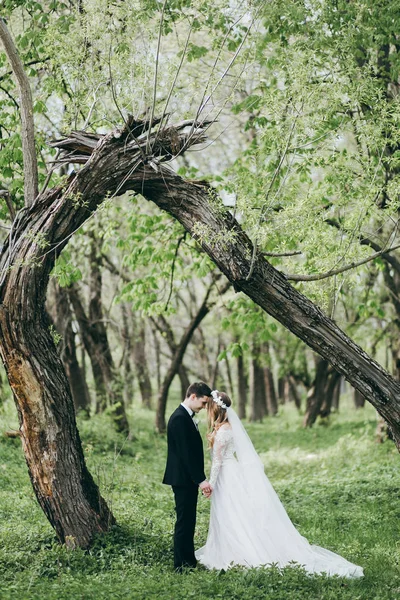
248, 524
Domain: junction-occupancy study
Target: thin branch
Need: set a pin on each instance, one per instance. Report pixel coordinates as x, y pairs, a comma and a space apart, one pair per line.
332, 272
7, 197
265, 205
279, 254
181, 239
28, 64
155, 78
174, 82
27, 123
50, 173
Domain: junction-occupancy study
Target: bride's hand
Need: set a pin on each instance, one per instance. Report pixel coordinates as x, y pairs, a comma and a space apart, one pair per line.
206, 488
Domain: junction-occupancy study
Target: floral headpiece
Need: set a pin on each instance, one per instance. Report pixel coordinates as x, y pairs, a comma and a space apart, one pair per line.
217, 399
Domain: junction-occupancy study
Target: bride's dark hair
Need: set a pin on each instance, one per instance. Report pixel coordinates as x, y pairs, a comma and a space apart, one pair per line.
216, 416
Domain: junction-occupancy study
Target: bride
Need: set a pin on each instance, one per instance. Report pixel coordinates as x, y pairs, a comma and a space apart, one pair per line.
248, 524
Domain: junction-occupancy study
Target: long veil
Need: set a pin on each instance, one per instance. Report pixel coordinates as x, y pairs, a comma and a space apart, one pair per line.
261, 494
274, 534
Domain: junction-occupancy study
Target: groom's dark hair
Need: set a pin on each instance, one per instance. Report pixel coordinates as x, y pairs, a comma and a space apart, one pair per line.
199, 388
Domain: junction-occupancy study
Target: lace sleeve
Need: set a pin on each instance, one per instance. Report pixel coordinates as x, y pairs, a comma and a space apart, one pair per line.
221, 444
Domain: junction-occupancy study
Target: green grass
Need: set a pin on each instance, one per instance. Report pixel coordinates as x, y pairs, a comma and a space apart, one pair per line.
340, 488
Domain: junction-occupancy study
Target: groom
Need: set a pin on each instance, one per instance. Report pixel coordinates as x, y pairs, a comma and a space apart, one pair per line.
185, 471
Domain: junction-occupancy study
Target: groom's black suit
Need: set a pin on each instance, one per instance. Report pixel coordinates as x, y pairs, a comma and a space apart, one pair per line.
184, 472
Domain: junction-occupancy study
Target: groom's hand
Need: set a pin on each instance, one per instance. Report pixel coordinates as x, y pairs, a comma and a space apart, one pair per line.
206, 488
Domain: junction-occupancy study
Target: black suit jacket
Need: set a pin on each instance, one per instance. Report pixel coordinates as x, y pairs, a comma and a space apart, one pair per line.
185, 459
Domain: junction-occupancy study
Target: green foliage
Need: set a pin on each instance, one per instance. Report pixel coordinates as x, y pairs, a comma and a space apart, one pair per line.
338, 486
65, 270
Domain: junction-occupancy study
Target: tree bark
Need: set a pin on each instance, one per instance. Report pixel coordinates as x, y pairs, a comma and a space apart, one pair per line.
63, 486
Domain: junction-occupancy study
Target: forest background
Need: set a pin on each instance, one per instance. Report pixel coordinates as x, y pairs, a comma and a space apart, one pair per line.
287, 115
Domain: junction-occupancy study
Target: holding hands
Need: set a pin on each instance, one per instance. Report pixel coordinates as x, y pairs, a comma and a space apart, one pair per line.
206, 488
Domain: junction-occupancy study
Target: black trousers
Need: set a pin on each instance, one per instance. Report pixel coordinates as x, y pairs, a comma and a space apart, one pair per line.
185, 506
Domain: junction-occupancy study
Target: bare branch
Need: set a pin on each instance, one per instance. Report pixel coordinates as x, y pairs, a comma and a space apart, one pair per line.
7, 197
181, 239
155, 76
27, 128
279, 254
332, 272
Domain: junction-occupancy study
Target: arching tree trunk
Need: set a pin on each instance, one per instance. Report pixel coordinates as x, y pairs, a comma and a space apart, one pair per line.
35, 372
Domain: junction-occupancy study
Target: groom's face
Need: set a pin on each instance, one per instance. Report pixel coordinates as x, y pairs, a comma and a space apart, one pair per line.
199, 402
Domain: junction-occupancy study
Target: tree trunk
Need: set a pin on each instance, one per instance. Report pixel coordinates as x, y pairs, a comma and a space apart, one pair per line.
157, 351
94, 337
294, 394
63, 486
126, 358
336, 395
258, 403
330, 390
242, 387
316, 394
359, 399
271, 291
139, 355
62, 316
229, 376
272, 402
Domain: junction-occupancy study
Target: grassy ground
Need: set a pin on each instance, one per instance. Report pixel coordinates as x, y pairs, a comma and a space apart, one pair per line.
339, 487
